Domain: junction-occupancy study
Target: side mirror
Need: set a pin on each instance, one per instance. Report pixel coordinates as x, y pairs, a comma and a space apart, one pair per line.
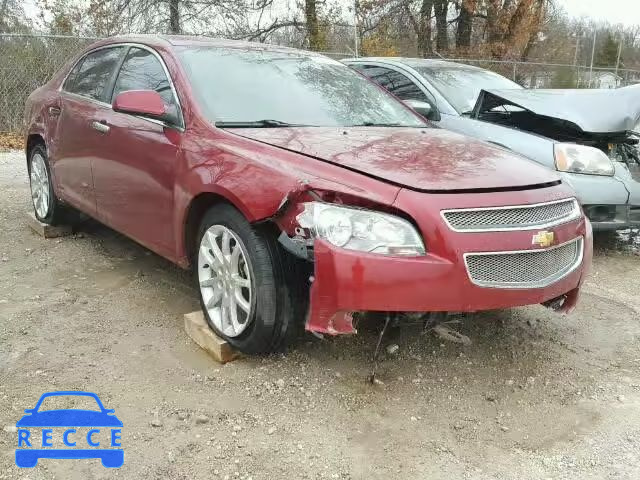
146, 103
423, 108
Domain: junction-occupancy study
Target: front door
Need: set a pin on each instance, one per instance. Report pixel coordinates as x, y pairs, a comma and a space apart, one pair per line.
135, 174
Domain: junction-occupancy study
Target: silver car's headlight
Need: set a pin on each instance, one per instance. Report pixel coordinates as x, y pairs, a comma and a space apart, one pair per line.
360, 229
574, 158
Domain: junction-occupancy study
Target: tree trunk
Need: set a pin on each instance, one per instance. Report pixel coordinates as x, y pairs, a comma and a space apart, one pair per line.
465, 23
442, 40
424, 28
313, 30
174, 17
494, 27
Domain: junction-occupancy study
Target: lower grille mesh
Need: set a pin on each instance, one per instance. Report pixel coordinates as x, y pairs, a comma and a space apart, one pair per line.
528, 269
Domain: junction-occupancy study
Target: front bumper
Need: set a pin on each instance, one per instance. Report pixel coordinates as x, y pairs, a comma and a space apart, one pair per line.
348, 281
610, 203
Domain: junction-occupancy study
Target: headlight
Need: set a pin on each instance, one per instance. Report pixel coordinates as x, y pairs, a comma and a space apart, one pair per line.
574, 158
362, 230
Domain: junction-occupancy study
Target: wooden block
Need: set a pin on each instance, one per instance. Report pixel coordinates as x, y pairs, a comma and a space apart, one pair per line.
196, 327
48, 231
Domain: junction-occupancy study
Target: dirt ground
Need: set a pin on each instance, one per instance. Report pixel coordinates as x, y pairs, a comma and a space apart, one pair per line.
536, 395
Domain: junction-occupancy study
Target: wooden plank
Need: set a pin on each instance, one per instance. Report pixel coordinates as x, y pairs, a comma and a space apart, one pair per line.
48, 231
197, 328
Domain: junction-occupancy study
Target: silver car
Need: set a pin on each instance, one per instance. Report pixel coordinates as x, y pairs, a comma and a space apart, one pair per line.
587, 135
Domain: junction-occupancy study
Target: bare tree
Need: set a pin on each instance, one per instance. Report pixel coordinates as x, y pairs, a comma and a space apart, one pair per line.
465, 23
174, 17
421, 22
441, 9
313, 30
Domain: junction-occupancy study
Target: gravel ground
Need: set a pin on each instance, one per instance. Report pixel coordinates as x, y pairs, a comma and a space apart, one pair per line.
535, 396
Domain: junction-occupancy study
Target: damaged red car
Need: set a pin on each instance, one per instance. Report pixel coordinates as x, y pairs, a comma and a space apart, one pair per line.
298, 191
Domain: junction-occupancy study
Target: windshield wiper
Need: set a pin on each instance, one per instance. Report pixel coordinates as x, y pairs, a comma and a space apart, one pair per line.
374, 124
267, 123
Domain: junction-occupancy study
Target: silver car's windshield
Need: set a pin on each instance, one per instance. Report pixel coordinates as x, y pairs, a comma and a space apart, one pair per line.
461, 86
269, 89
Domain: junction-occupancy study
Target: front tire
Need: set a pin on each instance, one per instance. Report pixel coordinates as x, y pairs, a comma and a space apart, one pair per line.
46, 206
244, 279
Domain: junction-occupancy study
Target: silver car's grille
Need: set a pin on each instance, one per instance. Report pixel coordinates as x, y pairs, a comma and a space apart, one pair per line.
526, 268
520, 217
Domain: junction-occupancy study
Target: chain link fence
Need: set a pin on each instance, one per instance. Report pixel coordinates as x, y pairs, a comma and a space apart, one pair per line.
557, 75
28, 61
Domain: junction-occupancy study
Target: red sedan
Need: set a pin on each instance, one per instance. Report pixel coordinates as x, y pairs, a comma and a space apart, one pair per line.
297, 190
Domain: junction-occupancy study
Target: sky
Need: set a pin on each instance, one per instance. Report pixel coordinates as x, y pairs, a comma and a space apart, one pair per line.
626, 12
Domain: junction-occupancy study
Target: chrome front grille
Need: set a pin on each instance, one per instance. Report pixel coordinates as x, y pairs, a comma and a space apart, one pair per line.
520, 217
525, 268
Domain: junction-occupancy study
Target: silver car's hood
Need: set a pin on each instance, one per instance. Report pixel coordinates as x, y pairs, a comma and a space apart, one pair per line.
591, 111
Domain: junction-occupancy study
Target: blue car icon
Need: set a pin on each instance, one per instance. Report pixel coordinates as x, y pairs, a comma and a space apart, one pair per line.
69, 418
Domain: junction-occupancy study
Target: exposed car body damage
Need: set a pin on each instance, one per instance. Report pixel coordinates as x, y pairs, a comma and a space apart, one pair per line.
604, 119
586, 111
342, 282
608, 120
533, 123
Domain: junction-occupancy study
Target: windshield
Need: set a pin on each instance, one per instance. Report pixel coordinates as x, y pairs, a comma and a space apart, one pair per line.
270, 89
461, 86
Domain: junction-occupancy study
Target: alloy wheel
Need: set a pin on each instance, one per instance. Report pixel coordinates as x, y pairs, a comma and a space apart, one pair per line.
39, 180
224, 276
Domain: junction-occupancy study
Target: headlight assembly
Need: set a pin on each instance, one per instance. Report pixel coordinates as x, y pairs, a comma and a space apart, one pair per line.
574, 158
361, 230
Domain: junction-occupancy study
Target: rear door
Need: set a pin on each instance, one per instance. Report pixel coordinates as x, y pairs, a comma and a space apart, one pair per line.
79, 136
135, 173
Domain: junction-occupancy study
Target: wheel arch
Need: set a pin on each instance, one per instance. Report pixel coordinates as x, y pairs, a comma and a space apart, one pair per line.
192, 217
33, 139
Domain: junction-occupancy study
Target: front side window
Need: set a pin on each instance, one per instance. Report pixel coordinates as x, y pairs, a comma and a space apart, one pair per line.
141, 70
94, 73
397, 83
241, 86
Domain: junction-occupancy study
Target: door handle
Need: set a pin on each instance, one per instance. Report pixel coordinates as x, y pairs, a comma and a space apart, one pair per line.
54, 111
100, 127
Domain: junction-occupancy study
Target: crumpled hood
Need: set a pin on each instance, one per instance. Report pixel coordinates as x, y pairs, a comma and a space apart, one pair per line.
427, 159
590, 110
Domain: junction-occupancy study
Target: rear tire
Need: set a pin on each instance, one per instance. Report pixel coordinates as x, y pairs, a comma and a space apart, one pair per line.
244, 279
46, 206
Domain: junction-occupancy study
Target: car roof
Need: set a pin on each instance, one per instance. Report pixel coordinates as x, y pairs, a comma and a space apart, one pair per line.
168, 41
415, 62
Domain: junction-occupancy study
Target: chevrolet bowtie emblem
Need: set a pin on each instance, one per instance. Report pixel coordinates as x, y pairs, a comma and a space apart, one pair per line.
543, 239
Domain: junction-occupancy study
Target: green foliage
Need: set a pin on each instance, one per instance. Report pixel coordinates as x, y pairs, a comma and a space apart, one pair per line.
607, 54
565, 77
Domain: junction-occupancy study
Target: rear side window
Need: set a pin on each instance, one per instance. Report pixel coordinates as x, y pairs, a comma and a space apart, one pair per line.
94, 73
142, 70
